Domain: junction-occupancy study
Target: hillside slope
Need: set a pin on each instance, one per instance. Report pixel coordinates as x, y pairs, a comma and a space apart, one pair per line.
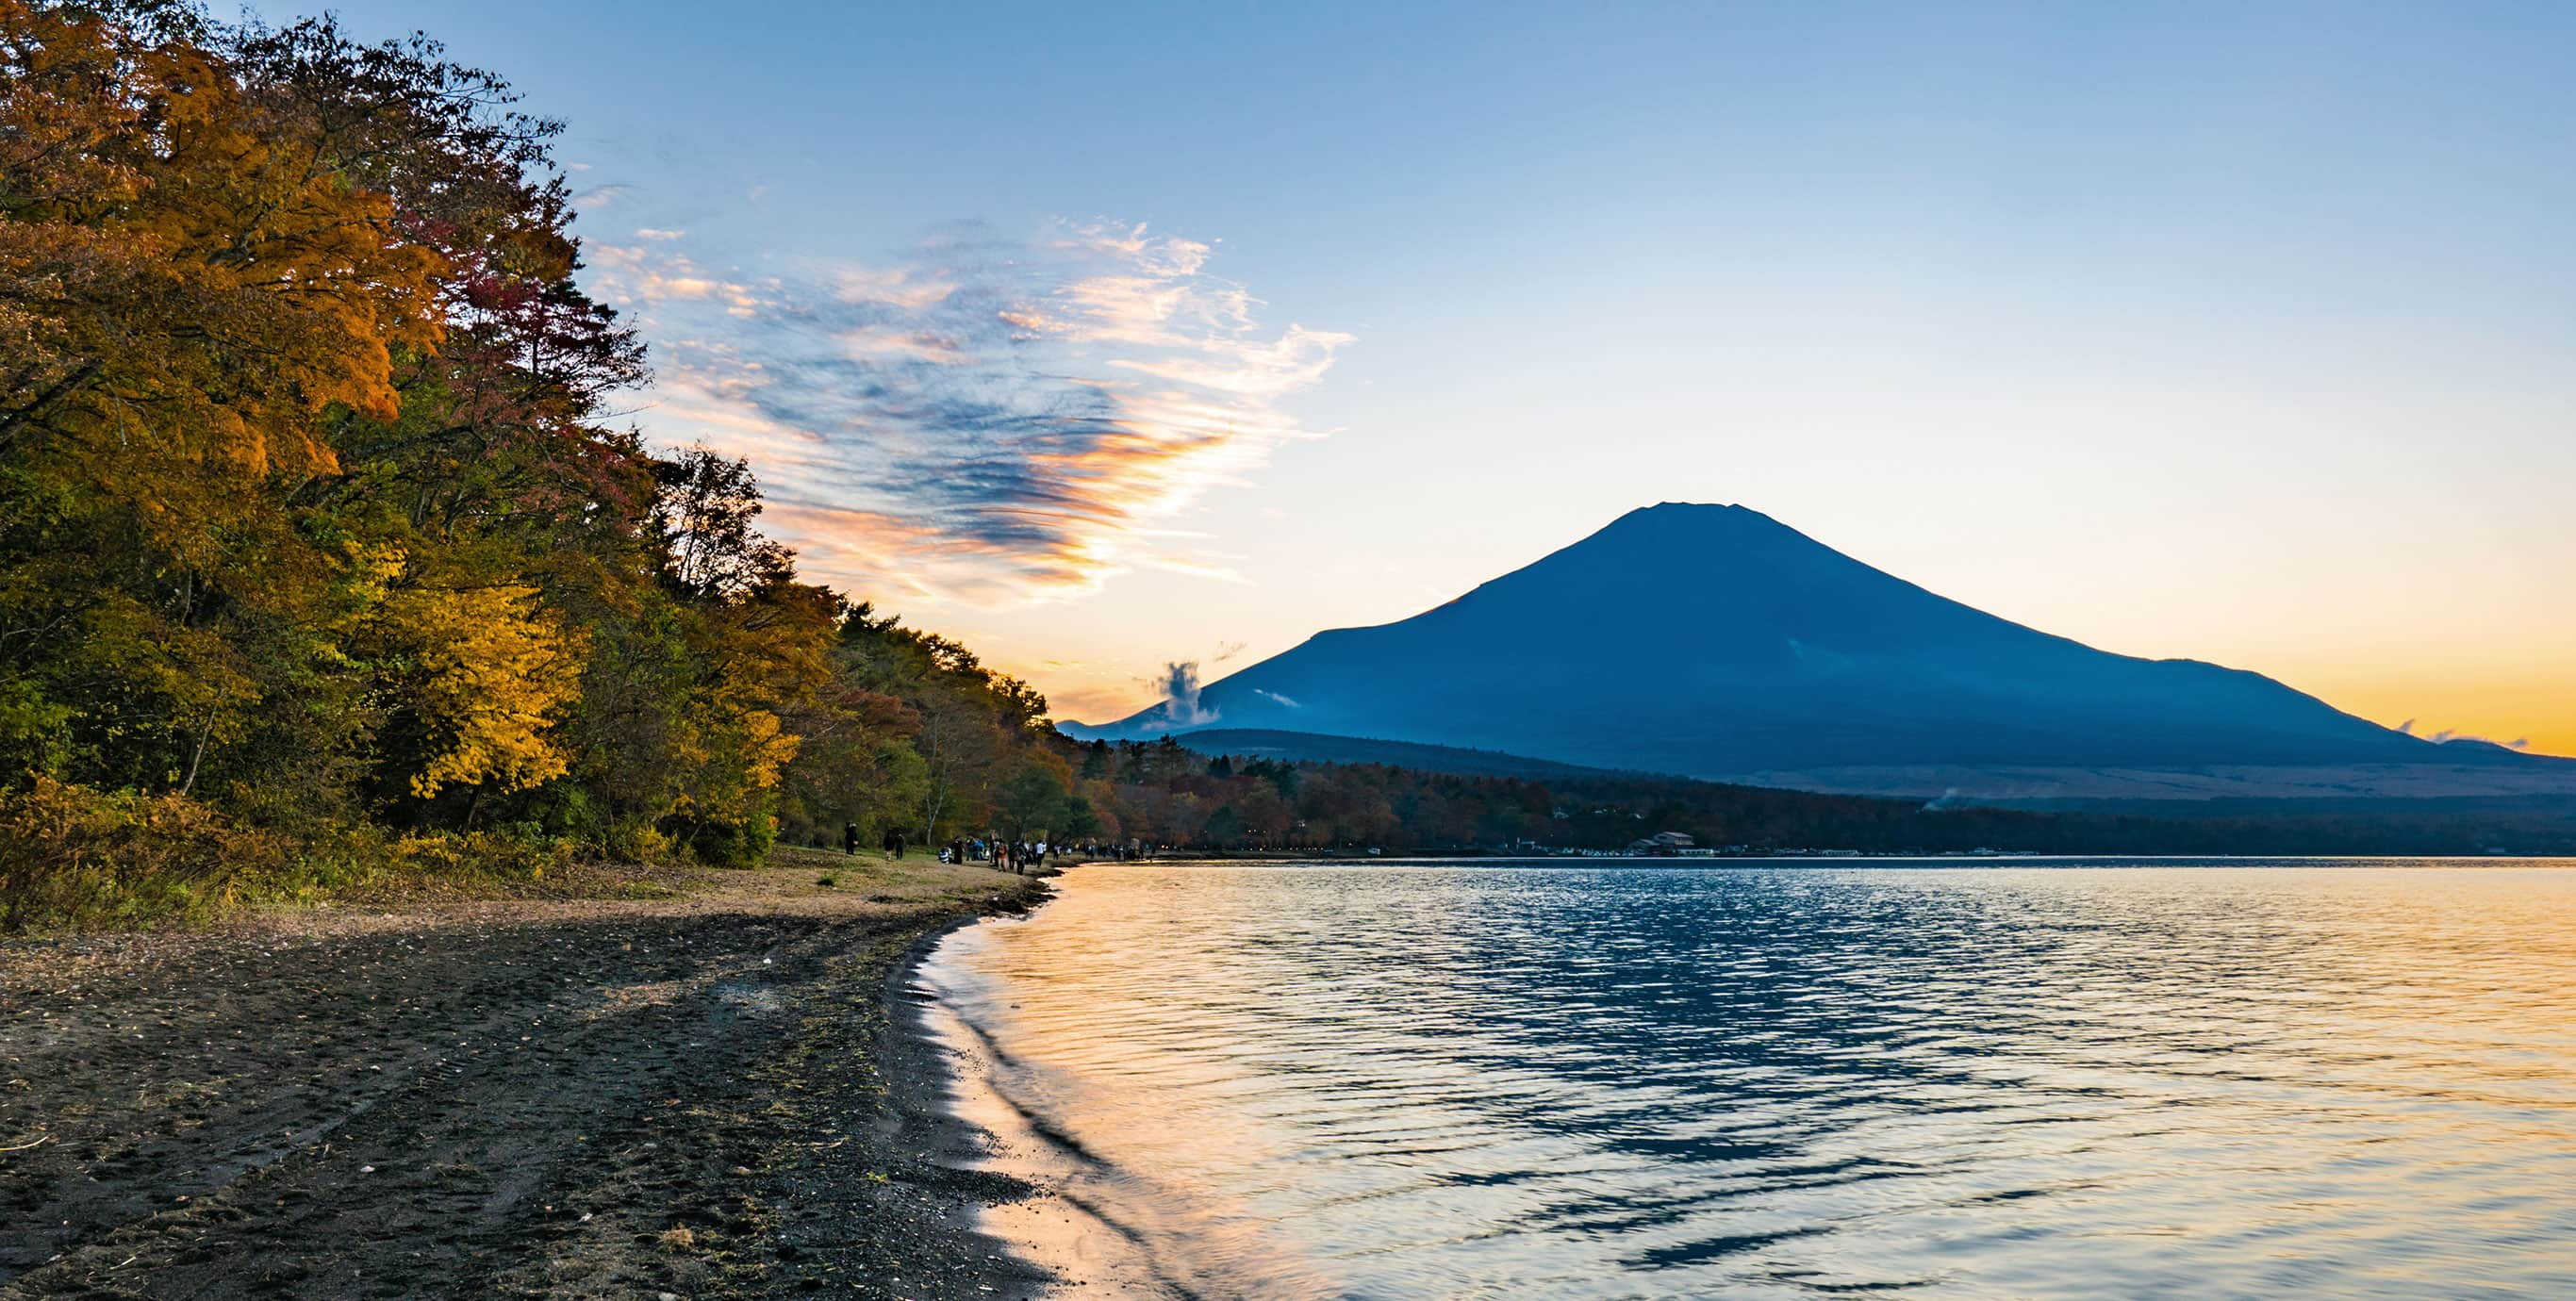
1714, 641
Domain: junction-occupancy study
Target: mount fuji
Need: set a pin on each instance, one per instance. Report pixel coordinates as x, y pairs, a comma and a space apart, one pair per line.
1716, 642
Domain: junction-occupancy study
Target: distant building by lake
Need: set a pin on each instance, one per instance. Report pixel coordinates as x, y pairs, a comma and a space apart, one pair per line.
1664, 844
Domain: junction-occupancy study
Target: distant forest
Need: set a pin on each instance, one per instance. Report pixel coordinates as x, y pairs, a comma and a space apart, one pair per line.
1169, 795
324, 556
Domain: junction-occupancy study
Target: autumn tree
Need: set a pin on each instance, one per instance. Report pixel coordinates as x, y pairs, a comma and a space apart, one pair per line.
192, 290
314, 511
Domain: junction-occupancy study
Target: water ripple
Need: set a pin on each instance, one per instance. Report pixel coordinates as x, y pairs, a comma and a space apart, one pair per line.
1417, 1081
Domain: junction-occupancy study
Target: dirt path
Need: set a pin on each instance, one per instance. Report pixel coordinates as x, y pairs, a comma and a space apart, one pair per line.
563, 1099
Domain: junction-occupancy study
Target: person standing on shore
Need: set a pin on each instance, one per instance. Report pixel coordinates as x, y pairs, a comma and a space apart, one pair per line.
849, 838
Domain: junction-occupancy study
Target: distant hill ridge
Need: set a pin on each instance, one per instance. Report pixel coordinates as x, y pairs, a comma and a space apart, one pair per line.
1716, 642
1306, 747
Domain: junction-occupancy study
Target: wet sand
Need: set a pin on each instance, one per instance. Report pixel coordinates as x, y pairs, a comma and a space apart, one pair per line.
718, 1094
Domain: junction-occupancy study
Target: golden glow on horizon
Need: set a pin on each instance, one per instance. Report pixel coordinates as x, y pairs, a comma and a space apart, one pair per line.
2465, 695
2535, 707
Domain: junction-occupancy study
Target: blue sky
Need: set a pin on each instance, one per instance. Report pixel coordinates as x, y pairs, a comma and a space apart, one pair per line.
2237, 332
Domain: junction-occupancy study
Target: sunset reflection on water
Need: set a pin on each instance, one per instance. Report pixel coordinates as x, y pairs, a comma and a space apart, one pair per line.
2167, 1077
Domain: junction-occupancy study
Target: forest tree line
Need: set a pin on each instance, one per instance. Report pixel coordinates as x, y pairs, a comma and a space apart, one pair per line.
317, 521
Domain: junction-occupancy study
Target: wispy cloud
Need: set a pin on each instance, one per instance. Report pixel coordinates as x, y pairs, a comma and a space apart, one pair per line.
2448, 735
985, 419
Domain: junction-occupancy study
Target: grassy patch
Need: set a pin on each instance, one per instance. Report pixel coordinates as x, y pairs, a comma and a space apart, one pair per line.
76, 859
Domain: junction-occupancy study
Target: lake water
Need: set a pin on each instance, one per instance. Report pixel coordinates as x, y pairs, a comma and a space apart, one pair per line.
2082, 1079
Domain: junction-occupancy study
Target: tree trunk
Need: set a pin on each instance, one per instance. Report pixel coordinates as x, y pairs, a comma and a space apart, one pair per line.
930, 822
197, 755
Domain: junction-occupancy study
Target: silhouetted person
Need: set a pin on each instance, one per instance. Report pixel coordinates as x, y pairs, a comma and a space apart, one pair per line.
849, 837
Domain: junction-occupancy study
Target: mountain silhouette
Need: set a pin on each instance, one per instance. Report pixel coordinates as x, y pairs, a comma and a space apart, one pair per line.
1714, 641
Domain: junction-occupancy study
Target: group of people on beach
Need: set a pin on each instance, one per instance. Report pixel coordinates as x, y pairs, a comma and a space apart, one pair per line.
1021, 856
1018, 856
1026, 856
891, 842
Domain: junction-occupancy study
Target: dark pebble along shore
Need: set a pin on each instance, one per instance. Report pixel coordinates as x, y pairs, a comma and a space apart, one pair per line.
710, 1096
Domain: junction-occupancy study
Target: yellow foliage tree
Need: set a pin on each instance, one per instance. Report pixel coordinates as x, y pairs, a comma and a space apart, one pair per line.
490, 673
187, 280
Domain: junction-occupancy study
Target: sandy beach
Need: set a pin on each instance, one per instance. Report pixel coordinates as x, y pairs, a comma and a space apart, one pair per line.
712, 1094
